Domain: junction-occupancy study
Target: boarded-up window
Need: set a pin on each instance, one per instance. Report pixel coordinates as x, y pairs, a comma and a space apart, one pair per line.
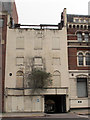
56, 79
82, 87
19, 79
38, 61
17, 103
38, 43
20, 43
55, 43
19, 60
56, 61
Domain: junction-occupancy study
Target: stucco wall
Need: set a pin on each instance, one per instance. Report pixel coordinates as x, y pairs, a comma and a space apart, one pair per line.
46, 52
27, 48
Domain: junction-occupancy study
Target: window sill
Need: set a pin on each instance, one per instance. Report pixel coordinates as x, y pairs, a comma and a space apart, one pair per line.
83, 66
37, 48
19, 48
56, 49
19, 65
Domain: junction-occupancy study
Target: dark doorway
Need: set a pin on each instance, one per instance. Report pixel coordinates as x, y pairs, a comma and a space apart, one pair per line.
55, 103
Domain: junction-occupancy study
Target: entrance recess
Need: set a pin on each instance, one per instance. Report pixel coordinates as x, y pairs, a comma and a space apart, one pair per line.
55, 103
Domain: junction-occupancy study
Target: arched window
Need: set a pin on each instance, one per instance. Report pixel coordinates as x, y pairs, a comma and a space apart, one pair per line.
87, 60
70, 26
77, 26
19, 79
81, 26
79, 37
86, 37
56, 79
85, 27
80, 59
73, 26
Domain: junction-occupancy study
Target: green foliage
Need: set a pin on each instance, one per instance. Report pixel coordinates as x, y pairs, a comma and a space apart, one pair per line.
39, 79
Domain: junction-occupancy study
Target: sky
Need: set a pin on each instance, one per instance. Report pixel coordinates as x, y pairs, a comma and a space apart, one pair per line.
48, 11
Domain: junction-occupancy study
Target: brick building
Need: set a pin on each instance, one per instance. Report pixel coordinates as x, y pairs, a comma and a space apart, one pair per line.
78, 45
8, 13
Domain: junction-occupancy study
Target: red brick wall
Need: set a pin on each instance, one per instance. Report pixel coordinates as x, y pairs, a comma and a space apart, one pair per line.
3, 54
72, 52
72, 37
72, 58
14, 13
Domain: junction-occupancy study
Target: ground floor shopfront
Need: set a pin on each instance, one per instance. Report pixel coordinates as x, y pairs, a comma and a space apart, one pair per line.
52, 100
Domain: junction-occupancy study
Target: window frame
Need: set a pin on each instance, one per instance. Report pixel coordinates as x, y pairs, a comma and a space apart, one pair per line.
85, 57
19, 76
57, 58
56, 39
78, 58
85, 86
55, 75
39, 41
17, 64
85, 37
79, 37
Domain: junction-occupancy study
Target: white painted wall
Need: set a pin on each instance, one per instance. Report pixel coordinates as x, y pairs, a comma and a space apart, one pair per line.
29, 38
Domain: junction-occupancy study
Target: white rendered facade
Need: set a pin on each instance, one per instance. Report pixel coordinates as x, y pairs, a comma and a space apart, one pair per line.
51, 47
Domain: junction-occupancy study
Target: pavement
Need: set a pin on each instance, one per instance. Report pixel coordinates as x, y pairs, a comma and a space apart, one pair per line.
81, 112
9, 115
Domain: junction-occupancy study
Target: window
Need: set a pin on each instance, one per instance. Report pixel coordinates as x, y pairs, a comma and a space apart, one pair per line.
80, 59
19, 79
82, 87
56, 61
82, 20
73, 26
70, 26
56, 79
83, 58
38, 43
87, 21
20, 43
81, 26
19, 60
86, 37
85, 27
55, 43
79, 37
87, 56
76, 20
38, 61
1, 23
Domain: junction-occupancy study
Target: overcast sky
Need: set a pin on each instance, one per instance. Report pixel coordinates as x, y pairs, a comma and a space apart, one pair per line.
48, 11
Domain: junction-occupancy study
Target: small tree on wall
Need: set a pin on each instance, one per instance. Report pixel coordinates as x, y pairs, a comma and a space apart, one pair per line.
36, 79
39, 79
